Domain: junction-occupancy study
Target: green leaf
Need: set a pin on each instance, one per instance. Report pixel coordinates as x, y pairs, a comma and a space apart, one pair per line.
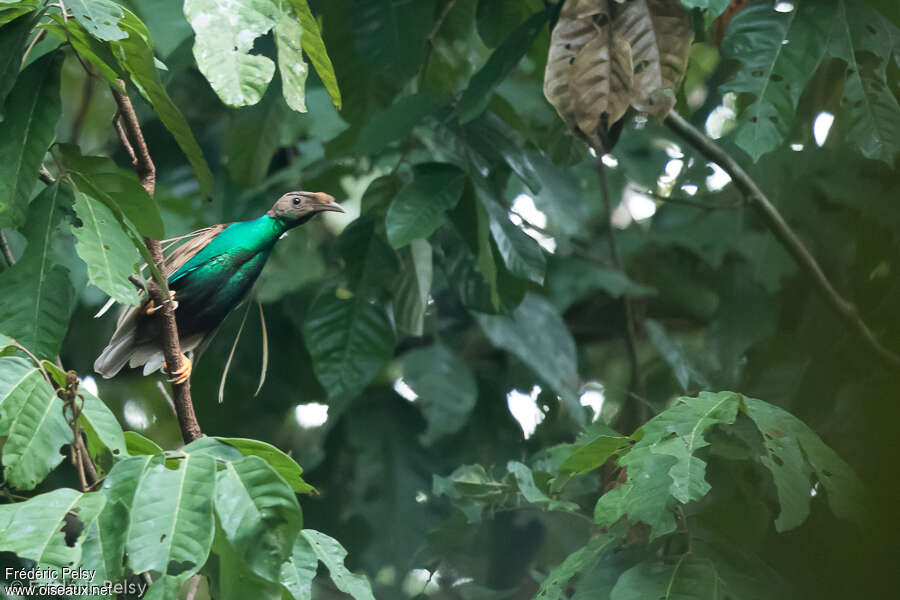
31, 418
420, 206
332, 555
99, 17
171, 523
101, 427
288, 39
254, 134
589, 455
675, 355
795, 456
30, 114
110, 256
536, 333
314, 47
120, 190
38, 296
139, 445
579, 562
231, 579
644, 497
395, 122
13, 38
521, 253
283, 464
688, 578
36, 529
712, 9
780, 51
390, 35
869, 109
529, 490
135, 55
259, 514
93, 50
501, 63
225, 33
298, 572
497, 19
370, 263
495, 142
445, 387
349, 340
414, 286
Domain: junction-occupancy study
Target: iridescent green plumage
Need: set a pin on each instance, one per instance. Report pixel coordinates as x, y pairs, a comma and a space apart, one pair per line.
210, 275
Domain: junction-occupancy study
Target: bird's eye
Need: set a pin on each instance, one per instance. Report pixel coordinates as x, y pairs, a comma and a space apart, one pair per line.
296, 201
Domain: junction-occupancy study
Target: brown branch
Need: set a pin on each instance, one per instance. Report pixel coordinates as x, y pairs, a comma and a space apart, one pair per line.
632, 414
785, 236
4, 249
133, 139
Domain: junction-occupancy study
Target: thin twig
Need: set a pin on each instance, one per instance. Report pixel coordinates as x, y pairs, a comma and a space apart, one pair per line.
784, 234
636, 386
37, 38
4, 248
131, 136
693, 201
440, 21
192, 587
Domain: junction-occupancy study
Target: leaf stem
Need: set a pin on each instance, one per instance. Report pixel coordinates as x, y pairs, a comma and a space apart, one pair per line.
786, 236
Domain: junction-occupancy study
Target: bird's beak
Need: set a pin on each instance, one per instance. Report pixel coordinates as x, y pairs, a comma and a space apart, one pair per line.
325, 202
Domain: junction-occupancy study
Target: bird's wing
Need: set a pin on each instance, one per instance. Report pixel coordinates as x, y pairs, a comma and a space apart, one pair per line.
196, 241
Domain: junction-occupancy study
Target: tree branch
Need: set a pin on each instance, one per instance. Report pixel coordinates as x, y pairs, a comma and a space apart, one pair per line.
784, 234
132, 138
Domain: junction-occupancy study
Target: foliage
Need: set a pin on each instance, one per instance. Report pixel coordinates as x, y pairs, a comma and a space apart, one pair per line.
497, 388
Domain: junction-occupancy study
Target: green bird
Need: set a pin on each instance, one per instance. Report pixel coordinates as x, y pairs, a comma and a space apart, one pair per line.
208, 275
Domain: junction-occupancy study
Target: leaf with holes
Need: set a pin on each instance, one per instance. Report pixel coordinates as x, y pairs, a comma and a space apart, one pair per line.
659, 33
171, 522
332, 555
314, 47
779, 52
100, 17
103, 246
291, 66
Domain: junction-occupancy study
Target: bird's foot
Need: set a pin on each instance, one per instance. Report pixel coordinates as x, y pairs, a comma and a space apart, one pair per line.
152, 307
181, 374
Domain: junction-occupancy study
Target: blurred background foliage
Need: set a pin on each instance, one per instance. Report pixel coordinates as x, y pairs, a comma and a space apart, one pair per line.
445, 377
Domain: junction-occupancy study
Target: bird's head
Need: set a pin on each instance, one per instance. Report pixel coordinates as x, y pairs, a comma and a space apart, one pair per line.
296, 208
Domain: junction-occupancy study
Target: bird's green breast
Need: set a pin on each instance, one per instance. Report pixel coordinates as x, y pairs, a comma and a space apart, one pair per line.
219, 276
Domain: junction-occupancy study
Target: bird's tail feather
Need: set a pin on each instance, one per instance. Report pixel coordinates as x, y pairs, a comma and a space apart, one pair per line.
115, 355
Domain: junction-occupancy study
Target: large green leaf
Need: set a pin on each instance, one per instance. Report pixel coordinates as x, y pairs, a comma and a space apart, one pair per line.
445, 387
299, 570
36, 529
501, 63
230, 578
225, 33
99, 17
288, 39
120, 190
688, 578
395, 122
283, 464
259, 514
780, 51
796, 456
39, 296
13, 38
493, 142
31, 418
135, 55
349, 340
420, 206
581, 561
88, 47
254, 134
332, 555
536, 333
101, 427
110, 256
869, 109
171, 523
414, 286
30, 115
528, 488
314, 47
521, 253
390, 35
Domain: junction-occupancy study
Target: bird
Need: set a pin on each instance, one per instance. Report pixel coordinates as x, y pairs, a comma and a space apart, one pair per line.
208, 276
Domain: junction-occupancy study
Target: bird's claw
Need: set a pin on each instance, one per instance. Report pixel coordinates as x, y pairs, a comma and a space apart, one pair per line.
152, 307
181, 374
